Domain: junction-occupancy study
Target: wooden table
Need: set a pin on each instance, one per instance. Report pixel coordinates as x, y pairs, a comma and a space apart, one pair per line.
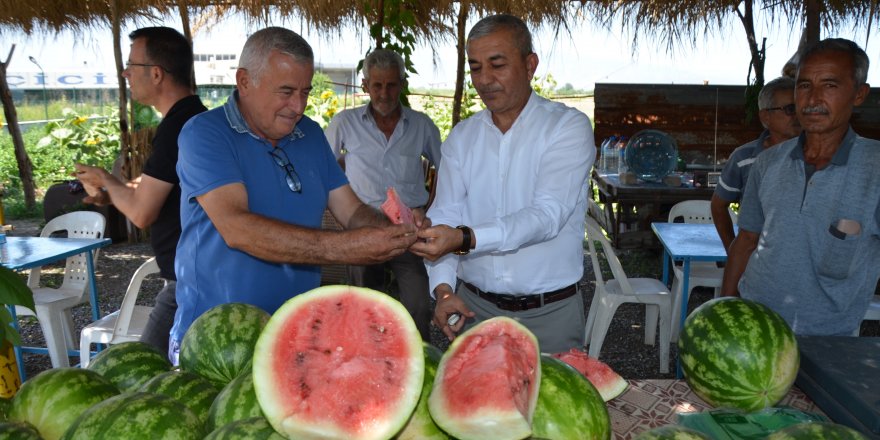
20, 253
651, 403
637, 206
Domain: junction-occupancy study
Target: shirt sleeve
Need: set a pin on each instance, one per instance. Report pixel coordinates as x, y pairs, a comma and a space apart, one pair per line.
730, 186
206, 159
751, 213
432, 144
447, 210
563, 169
334, 134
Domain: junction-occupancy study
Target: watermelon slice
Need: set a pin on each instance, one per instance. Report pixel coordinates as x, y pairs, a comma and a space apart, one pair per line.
396, 211
487, 382
339, 362
607, 381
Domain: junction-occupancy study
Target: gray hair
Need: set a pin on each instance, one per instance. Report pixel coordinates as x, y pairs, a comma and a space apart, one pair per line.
384, 59
765, 97
858, 56
260, 45
522, 38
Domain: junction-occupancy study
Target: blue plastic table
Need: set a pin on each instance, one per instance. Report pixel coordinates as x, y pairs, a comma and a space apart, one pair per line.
687, 242
19, 253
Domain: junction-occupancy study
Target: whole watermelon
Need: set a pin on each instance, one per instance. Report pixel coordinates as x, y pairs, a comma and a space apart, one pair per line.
817, 431
253, 428
18, 431
53, 399
129, 364
137, 416
220, 343
421, 426
236, 401
672, 432
194, 391
738, 353
569, 406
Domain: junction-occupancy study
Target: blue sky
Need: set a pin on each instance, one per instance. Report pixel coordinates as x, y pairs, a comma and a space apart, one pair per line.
588, 55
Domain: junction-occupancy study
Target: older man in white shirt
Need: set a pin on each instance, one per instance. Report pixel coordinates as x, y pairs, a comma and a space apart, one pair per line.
511, 199
381, 145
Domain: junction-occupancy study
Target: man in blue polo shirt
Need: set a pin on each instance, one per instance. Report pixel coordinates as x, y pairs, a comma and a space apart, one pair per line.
777, 114
809, 228
255, 178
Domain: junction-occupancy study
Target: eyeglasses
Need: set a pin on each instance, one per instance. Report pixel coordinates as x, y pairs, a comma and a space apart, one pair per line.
292, 178
789, 110
129, 64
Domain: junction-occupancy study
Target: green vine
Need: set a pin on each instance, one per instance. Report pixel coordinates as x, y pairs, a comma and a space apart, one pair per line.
392, 29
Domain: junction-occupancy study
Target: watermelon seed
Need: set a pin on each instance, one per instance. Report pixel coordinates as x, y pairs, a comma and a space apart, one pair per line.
300, 358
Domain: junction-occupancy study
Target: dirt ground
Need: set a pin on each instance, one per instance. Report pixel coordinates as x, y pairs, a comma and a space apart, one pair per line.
623, 348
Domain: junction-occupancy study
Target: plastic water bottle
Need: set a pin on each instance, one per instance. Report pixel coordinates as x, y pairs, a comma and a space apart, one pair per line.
621, 158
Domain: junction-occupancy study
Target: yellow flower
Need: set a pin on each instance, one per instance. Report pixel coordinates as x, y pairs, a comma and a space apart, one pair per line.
79, 120
326, 94
92, 142
330, 112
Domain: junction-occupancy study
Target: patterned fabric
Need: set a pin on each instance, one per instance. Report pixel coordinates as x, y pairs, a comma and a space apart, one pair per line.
651, 403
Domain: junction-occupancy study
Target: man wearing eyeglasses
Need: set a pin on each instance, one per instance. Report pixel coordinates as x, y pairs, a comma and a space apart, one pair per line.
159, 73
256, 177
777, 115
381, 145
808, 245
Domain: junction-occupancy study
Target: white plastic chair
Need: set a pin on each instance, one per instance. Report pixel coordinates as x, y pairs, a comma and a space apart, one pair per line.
53, 304
609, 295
125, 324
702, 273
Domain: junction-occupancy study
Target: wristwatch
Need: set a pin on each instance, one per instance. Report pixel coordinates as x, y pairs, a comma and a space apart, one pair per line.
466, 235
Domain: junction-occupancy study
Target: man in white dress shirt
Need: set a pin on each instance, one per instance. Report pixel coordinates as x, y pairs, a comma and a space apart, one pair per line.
511, 199
381, 145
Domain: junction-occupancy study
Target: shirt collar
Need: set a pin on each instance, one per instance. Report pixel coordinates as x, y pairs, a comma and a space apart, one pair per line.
841, 156
236, 120
368, 116
486, 115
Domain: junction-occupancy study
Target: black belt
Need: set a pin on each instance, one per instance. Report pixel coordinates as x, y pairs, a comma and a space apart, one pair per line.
516, 303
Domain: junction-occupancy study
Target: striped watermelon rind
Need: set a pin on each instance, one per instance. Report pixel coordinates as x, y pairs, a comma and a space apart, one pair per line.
738, 353
129, 364
817, 431
672, 432
325, 346
420, 425
191, 389
569, 407
209, 347
137, 416
18, 431
463, 406
253, 428
52, 400
236, 401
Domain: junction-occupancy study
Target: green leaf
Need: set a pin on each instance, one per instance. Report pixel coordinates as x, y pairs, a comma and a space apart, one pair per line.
7, 331
13, 290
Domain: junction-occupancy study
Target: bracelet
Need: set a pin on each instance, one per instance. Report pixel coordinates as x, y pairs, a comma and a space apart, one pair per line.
465, 240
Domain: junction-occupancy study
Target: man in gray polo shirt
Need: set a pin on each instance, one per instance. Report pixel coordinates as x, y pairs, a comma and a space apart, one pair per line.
776, 104
809, 228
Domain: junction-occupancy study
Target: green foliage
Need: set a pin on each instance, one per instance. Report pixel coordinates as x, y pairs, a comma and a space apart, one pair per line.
543, 85
394, 32
323, 101
440, 110
77, 139
13, 291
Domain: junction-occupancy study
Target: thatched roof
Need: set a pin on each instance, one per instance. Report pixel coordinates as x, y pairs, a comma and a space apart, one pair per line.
432, 17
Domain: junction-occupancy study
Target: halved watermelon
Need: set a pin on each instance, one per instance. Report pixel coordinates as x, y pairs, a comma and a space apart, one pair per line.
339, 362
396, 211
607, 381
488, 381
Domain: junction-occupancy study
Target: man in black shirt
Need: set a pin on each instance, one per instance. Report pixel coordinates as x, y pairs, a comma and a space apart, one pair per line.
159, 73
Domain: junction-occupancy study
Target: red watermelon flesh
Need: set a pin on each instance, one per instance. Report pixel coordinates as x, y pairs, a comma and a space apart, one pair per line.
487, 382
607, 381
339, 362
396, 211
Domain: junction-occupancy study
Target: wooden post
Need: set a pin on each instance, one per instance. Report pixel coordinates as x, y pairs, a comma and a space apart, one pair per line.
25, 167
459, 69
